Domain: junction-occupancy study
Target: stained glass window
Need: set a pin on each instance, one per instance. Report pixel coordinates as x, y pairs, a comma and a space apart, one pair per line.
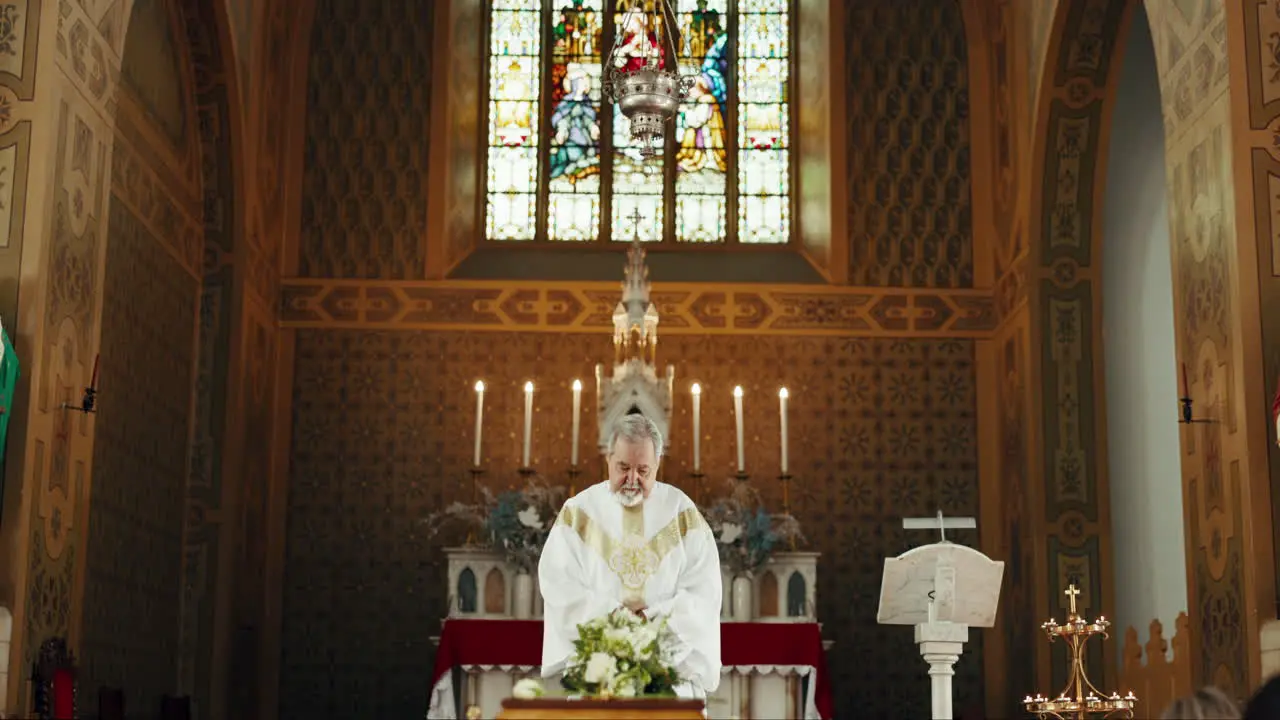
561, 165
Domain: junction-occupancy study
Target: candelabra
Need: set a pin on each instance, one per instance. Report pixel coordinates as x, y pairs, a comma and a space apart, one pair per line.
1079, 699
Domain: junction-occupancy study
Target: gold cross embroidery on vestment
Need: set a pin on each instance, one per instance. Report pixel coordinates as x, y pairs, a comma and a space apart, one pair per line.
632, 558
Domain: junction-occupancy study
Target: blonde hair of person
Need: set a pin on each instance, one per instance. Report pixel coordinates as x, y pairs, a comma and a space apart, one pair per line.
1207, 703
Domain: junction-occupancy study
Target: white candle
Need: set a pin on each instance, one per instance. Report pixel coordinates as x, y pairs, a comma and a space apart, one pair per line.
479, 417
696, 390
737, 417
577, 419
782, 414
528, 422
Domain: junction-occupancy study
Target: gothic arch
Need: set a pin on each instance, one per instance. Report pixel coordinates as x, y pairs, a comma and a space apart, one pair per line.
1072, 122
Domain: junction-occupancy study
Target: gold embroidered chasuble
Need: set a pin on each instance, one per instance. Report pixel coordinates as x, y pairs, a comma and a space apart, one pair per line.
632, 558
661, 554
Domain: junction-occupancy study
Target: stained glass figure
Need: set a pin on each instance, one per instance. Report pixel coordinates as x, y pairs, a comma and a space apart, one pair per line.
730, 142
764, 177
573, 161
702, 147
638, 182
514, 82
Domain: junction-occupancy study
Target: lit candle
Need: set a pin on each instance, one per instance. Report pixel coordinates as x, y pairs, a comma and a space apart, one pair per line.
737, 416
782, 414
528, 422
696, 391
479, 417
577, 420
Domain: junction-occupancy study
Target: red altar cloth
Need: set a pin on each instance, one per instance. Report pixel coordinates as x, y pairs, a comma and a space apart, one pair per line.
519, 642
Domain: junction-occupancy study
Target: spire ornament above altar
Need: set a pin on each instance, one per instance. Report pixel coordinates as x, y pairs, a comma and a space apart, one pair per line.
634, 385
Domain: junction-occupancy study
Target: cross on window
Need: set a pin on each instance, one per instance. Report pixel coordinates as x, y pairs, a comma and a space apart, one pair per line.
635, 218
1071, 592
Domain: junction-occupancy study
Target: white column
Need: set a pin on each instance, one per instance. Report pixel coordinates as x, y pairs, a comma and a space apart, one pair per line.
941, 644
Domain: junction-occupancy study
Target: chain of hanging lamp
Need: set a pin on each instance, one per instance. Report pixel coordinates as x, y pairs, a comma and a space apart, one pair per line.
647, 87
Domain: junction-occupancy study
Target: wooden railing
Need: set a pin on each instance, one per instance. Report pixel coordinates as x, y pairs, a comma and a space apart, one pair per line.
1161, 678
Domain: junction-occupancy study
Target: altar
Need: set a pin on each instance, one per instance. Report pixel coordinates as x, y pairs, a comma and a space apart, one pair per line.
772, 652
771, 670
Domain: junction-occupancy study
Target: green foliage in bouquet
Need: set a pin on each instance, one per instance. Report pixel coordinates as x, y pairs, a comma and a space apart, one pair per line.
622, 655
746, 534
517, 522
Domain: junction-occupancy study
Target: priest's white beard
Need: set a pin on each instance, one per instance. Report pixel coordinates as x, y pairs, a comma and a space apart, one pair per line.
629, 497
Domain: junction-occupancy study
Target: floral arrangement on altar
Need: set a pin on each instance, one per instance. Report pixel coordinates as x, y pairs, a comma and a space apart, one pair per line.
619, 655
516, 522
746, 534
622, 655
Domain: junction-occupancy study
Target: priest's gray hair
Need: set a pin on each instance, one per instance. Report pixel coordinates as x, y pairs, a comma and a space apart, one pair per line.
636, 428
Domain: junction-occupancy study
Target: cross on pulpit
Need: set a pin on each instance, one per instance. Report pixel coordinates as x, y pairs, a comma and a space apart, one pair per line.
940, 524
1071, 592
636, 217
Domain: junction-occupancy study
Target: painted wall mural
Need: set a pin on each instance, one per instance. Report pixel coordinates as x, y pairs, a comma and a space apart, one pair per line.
1069, 507
1191, 53
154, 223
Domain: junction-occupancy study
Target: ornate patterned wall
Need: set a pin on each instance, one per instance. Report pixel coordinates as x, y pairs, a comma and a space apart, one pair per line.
133, 564
17, 89
1213, 341
880, 429
364, 209
134, 560
1228, 589
1260, 50
147, 150
908, 144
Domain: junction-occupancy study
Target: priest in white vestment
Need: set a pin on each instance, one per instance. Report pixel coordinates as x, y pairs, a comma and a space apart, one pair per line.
632, 542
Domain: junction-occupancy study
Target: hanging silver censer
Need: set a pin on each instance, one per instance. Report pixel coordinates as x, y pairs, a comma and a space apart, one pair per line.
638, 76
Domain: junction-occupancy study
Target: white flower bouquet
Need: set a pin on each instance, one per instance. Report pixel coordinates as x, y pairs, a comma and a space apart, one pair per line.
622, 655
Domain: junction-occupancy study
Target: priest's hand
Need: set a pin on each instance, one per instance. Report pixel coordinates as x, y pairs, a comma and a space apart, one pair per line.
636, 606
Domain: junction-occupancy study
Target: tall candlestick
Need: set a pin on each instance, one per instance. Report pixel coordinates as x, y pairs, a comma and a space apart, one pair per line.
577, 419
528, 423
696, 391
479, 417
782, 414
737, 417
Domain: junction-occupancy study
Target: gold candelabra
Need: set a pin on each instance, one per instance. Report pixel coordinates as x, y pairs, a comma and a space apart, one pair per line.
1080, 699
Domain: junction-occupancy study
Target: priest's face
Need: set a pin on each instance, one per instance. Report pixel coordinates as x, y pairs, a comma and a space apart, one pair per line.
632, 469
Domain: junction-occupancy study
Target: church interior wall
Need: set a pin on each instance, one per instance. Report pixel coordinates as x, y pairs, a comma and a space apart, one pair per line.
305, 538
1141, 375
881, 428
133, 552
378, 394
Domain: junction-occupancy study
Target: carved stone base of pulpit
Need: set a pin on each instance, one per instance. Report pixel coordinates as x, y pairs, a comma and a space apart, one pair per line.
636, 709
